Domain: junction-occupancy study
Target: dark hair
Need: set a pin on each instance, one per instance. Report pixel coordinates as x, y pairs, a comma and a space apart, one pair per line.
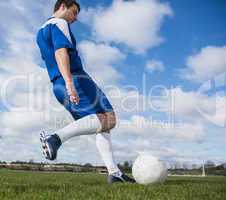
68, 4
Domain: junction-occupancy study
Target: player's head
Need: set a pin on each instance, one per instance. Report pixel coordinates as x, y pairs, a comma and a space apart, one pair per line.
67, 9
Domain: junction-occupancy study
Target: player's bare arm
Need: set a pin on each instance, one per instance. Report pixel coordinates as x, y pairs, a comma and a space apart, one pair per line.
63, 62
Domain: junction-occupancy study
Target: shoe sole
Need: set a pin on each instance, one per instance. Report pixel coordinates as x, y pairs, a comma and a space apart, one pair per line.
45, 146
119, 180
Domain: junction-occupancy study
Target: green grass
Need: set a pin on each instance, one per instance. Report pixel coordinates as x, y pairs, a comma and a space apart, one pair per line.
88, 186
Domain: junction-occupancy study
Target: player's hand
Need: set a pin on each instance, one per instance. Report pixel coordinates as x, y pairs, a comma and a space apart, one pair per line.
72, 93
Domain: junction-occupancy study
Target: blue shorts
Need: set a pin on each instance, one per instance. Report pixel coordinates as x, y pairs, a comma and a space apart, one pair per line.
92, 99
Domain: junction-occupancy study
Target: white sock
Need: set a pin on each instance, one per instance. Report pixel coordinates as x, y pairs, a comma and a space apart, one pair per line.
85, 126
103, 142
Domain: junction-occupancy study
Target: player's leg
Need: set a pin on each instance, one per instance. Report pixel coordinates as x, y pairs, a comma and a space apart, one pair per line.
104, 145
86, 121
90, 124
103, 142
85, 126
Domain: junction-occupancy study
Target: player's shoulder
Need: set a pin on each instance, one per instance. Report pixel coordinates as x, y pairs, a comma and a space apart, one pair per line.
62, 23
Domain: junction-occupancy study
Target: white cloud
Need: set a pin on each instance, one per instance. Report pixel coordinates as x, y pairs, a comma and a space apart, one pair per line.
133, 23
155, 65
206, 64
20, 57
161, 139
101, 60
20, 122
20, 54
194, 106
100, 54
184, 103
150, 129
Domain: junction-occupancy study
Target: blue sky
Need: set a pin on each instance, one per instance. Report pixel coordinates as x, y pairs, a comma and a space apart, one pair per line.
194, 25
175, 47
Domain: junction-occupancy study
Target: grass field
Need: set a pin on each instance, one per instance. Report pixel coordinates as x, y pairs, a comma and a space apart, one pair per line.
89, 186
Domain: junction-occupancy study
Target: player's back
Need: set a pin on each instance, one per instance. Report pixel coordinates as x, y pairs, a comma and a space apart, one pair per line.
54, 34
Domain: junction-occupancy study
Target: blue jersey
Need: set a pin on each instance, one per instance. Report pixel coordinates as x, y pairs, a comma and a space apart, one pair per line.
53, 35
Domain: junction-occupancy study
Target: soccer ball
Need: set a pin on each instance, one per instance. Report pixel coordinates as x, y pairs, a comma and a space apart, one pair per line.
148, 169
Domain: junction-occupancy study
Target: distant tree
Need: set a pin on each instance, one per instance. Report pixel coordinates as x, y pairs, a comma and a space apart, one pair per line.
194, 166
88, 165
31, 161
220, 167
126, 164
224, 165
185, 166
209, 164
178, 165
18, 162
126, 167
172, 166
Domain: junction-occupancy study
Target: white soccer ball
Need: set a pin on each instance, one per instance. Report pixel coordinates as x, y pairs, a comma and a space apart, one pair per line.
148, 169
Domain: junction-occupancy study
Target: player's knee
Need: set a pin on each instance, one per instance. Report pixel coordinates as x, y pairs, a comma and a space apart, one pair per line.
111, 120
108, 121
